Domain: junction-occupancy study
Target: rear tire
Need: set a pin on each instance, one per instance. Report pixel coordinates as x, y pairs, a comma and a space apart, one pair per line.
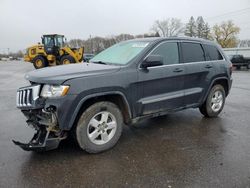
215, 102
67, 59
99, 127
40, 62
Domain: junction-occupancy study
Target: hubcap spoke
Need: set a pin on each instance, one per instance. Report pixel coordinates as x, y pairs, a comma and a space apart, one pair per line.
94, 134
219, 97
104, 117
105, 136
216, 94
94, 123
213, 100
111, 125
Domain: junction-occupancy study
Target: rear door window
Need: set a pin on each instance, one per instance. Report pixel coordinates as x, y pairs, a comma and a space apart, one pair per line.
192, 52
212, 52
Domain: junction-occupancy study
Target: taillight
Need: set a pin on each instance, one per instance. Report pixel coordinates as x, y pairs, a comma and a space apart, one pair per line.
231, 68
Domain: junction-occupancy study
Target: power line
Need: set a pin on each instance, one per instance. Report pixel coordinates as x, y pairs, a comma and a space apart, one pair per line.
241, 11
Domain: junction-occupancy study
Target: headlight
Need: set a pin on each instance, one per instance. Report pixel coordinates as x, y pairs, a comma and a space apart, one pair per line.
50, 91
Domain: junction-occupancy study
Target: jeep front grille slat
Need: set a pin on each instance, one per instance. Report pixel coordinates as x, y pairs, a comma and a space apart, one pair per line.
26, 96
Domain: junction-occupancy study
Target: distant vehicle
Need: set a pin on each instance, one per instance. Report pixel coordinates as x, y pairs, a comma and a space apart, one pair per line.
239, 60
53, 51
13, 58
127, 82
87, 57
4, 59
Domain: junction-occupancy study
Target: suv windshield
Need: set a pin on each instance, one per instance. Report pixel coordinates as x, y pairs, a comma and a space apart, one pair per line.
120, 53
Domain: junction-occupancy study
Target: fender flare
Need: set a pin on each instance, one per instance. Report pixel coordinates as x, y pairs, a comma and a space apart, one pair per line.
212, 83
84, 99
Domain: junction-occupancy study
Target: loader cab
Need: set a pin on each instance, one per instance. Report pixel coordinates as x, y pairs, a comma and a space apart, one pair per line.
52, 43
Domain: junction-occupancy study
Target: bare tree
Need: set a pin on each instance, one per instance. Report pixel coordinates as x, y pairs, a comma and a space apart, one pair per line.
244, 43
123, 37
226, 34
168, 27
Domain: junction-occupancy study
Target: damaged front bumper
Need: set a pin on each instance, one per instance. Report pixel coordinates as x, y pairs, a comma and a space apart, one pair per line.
48, 134
41, 141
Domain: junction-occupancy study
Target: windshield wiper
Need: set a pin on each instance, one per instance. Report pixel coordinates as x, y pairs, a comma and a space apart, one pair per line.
99, 62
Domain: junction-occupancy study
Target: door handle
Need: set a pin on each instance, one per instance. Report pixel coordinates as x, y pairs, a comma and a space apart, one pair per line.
178, 70
208, 66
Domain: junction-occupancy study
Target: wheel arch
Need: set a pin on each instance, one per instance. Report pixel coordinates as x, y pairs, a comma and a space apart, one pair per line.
69, 51
115, 97
219, 80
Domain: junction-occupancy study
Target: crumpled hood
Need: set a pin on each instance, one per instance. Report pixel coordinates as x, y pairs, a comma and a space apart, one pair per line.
60, 74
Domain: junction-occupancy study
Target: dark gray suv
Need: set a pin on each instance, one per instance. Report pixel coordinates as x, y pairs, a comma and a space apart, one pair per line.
129, 81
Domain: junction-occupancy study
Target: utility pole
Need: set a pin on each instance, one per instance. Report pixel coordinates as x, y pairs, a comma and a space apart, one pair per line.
91, 45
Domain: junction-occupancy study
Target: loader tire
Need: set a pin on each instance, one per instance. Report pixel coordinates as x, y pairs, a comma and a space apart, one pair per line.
39, 62
67, 59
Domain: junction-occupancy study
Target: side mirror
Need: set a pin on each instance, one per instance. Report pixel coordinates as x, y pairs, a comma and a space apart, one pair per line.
42, 40
152, 61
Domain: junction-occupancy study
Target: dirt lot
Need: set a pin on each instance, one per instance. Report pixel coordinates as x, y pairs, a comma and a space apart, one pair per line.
178, 150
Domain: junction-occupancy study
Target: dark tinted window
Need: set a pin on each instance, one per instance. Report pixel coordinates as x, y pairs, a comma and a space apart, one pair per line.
212, 52
192, 52
169, 51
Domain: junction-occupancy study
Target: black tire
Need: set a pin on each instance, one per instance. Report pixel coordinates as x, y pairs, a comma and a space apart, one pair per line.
83, 128
67, 59
206, 108
40, 62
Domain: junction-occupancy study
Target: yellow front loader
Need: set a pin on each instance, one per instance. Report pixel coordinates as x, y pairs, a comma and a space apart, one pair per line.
53, 51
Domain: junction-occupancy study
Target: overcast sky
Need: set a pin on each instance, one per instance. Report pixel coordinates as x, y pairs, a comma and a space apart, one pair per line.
22, 22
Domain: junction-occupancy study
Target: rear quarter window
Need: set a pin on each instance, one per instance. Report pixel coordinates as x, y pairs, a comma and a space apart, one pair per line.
212, 52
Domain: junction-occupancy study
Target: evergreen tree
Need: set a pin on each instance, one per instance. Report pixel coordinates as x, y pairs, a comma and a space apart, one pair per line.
206, 32
200, 27
157, 34
191, 28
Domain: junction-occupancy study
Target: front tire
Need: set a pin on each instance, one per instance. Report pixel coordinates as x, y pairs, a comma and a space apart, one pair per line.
39, 62
99, 127
67, 59
215, 102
